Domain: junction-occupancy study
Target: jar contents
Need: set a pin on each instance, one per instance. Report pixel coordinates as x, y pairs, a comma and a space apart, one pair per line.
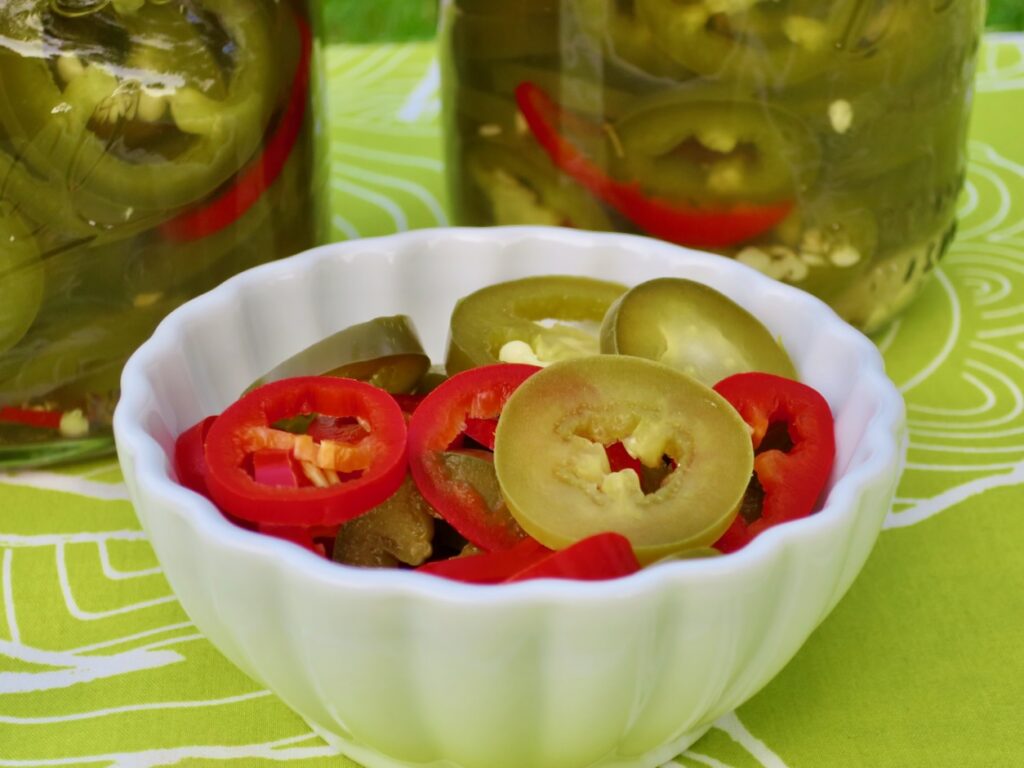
148, 150
822, 143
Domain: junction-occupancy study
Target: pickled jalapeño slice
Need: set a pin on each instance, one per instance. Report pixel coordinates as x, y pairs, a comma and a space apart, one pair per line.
692, 328
385, 352
528, 321
551, 455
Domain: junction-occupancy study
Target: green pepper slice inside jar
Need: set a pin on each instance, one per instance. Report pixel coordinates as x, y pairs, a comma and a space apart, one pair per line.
781, 43
126, 138
682, 145
625, 38
22, 278
503, 322
516, 184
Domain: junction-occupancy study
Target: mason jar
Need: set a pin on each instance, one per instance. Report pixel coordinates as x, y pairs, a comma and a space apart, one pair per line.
149, 149
819, 141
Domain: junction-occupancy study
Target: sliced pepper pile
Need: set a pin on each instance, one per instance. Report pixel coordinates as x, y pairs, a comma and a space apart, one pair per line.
583, 466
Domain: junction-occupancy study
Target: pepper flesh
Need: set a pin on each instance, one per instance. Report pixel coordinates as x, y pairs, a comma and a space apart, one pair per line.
792, 477
486, 320
398, 531
566, 416
720, 150
444, 478
773, 44
385, 351
693, 328
190, 456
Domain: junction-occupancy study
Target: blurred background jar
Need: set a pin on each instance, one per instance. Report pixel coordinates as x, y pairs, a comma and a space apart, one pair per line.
821, 142
149, 149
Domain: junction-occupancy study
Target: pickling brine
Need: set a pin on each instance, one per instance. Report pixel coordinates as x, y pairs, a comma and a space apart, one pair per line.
149, 149
819, 141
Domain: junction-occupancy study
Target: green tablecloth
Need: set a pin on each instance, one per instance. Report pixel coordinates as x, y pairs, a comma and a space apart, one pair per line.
922, 664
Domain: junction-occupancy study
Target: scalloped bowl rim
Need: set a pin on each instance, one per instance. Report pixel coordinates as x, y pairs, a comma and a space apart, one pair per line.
152, 466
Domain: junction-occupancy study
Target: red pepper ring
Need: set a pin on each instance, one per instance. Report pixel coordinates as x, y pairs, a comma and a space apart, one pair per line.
254, 180
477, 393
674, 221
792, 477
190, 456
229, 446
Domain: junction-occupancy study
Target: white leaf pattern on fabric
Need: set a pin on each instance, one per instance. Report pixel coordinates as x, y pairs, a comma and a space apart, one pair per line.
976, 443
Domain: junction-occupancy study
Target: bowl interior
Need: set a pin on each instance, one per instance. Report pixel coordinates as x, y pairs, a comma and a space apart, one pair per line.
208, 351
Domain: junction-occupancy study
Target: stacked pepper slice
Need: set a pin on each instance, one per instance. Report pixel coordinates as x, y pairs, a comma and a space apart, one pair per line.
585, 468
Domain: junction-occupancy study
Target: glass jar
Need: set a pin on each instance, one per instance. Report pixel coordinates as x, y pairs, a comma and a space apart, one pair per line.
148, 150
819, 141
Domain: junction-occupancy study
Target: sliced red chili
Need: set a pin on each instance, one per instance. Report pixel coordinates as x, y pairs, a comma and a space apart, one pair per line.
595, 558
490, 567
675, 221
30, 417
598, 557
190, 456
789, 473
437, 424
356, 475
253, 181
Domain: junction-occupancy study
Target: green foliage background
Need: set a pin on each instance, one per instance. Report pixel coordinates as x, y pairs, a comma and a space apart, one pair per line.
369, 20
363, 21
1006, 14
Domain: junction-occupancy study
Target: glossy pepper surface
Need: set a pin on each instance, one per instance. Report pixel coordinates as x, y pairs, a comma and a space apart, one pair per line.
486, 321
693, 328
596, 558
794, 446
347, 478
552, 444
385, 352
452, 482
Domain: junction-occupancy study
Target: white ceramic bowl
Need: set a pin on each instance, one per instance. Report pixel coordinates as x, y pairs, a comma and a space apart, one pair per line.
399, 669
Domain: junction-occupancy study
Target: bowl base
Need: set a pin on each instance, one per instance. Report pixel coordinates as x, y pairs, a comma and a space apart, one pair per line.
368, 757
